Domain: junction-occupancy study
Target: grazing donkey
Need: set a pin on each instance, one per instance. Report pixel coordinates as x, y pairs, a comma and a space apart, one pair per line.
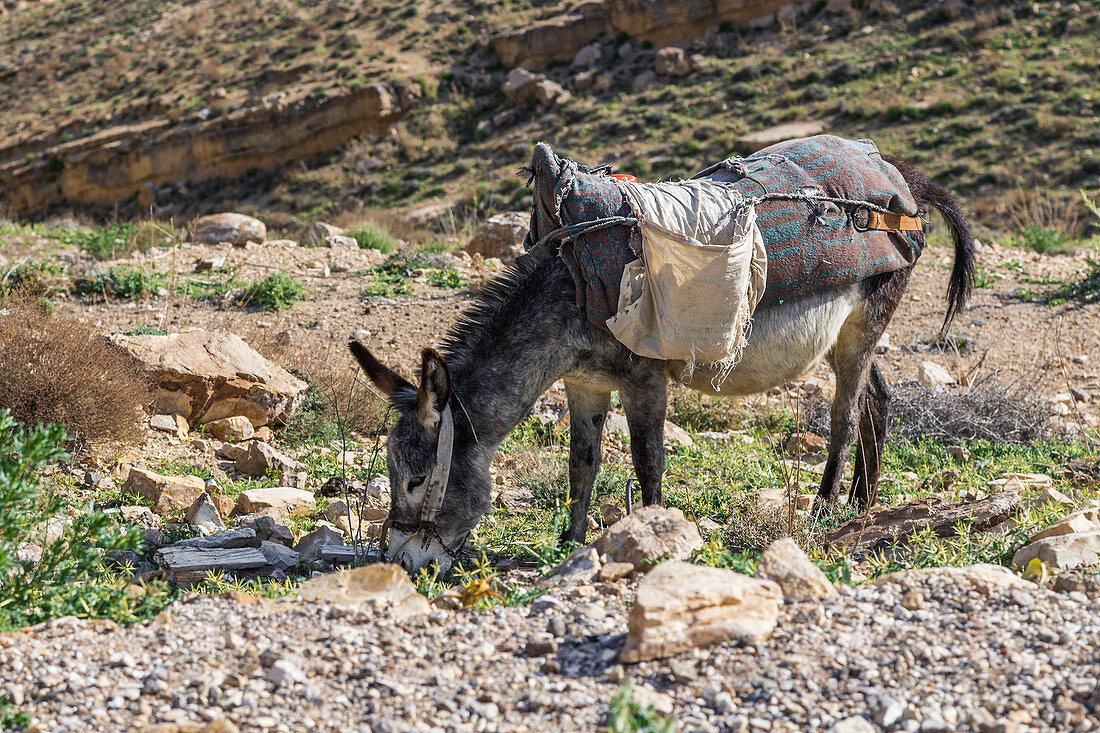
525, 331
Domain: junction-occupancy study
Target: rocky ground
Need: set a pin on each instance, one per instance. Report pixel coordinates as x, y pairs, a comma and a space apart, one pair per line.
926, 652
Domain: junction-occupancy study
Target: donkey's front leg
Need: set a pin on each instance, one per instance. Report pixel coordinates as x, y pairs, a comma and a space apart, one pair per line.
645, 402
587, 411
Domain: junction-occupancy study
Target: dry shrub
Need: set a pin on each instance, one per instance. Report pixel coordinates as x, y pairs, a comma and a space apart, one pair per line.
989, 410
1031, 208
56, 369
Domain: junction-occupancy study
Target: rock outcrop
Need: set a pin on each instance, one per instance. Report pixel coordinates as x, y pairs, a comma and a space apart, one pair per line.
662, 22
501, 236
206, 376
120, 162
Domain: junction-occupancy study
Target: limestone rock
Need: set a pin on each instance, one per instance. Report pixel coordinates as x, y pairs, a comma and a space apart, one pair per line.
806, 443
577, 569
933, 375
983, 577
523, 87
318, 232
1084, 521
588, 56
231, 452
671, 61
231, 429
311, 545
615, 570
204, 515
279, 555
382, 587
611, 513
786, 564
501, 236
286, 500
230, 539
680, 606
648, 534
269, 530
341, 241
1063, 552
261, 458
232, 228
142, 516
676, 435
205, 376
882, 527
175, 424
761, 139
166, 492
854, 724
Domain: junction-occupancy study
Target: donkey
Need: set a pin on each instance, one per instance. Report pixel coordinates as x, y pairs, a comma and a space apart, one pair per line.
525, 331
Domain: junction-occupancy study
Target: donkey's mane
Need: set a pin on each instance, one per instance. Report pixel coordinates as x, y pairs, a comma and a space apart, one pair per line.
480, 327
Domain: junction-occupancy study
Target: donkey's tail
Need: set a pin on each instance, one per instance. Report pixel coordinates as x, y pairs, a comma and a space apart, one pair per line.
962, 273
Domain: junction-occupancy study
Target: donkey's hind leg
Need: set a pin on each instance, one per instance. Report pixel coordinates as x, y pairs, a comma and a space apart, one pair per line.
645, 401
874, 421
587, 411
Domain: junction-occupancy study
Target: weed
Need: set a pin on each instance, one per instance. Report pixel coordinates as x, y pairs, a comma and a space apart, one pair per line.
625, 715
1086, 287
122, 282
446, 278
389, 280
12, 719
103, 243
370, 236
34, 277
1043, 240
983, 278
278, 291
74, 575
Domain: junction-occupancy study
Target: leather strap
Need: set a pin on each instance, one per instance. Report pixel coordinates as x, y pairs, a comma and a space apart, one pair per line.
893, 222
441, 471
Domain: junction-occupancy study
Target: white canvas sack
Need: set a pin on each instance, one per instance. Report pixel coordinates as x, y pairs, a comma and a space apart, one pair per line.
702, 271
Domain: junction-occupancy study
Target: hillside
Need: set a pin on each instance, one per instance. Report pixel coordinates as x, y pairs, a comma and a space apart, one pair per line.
298, 113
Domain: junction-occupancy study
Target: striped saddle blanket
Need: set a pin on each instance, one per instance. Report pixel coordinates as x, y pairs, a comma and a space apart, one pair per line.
812, 244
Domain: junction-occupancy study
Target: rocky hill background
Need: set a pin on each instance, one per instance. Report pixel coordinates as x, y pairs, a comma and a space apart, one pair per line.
307, 112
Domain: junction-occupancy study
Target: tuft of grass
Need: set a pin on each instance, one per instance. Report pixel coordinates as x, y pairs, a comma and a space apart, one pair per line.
34, 277
370, 236
625, 715
389, 280
278, 291
123, 282
1044, 240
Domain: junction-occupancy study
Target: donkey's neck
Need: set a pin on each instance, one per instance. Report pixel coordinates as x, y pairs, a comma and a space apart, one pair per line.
511, 346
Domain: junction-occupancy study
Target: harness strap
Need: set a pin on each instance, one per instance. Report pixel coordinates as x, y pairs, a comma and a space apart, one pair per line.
893, 222
441, 471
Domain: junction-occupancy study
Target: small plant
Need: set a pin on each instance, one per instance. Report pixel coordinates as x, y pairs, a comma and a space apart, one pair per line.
446, 278
12, 719
390, 280
1086, 287
278, 291
983, 278
625, 715
123, 282
1044, 240
73, 574
34, 277
103, 243
370, 236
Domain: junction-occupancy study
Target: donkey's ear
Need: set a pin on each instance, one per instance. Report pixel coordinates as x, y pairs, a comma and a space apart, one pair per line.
387, 380
435, 389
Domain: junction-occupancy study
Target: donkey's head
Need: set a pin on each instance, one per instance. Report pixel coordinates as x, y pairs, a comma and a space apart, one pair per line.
439, 481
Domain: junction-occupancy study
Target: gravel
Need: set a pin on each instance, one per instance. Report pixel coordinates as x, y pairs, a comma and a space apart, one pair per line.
959, 659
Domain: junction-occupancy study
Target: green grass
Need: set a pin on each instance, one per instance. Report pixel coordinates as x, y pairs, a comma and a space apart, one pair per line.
370, 236
1044, 240
123, 282
624, 715
11, 719
390, 280
1085, 287
446, 278
278, 291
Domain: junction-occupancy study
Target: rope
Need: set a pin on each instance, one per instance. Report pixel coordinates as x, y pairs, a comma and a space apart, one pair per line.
570, 232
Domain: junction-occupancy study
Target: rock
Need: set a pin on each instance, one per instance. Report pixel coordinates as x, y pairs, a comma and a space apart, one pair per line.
982, 577
204, 515
268, 530
577, 569
523, 87
787, 565
761, 139
287, 501
680, 607
958, 454
517, 82
284, 673
341, 241
501, 236
1076, 581
175, 424
279, 555
672, 61
318, 232
205, 376
209, 263
264, 433
231, 452
1050, 496
382, 587
142, 516
933, 375
648, 534
854, 724
310, 546
550, 94
232, 228
29, 552
806, 443
676, 435
261, 458
1063, 552
225, 504
1084, 521
611, 513
230, 539
196, 561
771, 499
882, 527
588, 56
166, 492
883, 344
838, 7
1034, 481
231, 429
615, 570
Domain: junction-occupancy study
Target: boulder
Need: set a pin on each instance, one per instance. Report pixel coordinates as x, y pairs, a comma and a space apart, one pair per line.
883, 527
611, 513
341, 241
231, 228
165, 492
523, 87
933, 375
269, 530
577, 569
279, 555
615, 570
588, 56
318, 232
381, 587
982, 577
204, 515
205, 376
1084, 521
227, 540
806, 443
285, 500
175, 424
761, 139
680, 607
1063, 552
672, 61
260, 458
676, 435
231, 429
787, 565
501, 236
649, 534
311, 545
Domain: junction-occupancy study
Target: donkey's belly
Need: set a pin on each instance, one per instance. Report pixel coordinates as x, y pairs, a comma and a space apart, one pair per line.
785, 341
